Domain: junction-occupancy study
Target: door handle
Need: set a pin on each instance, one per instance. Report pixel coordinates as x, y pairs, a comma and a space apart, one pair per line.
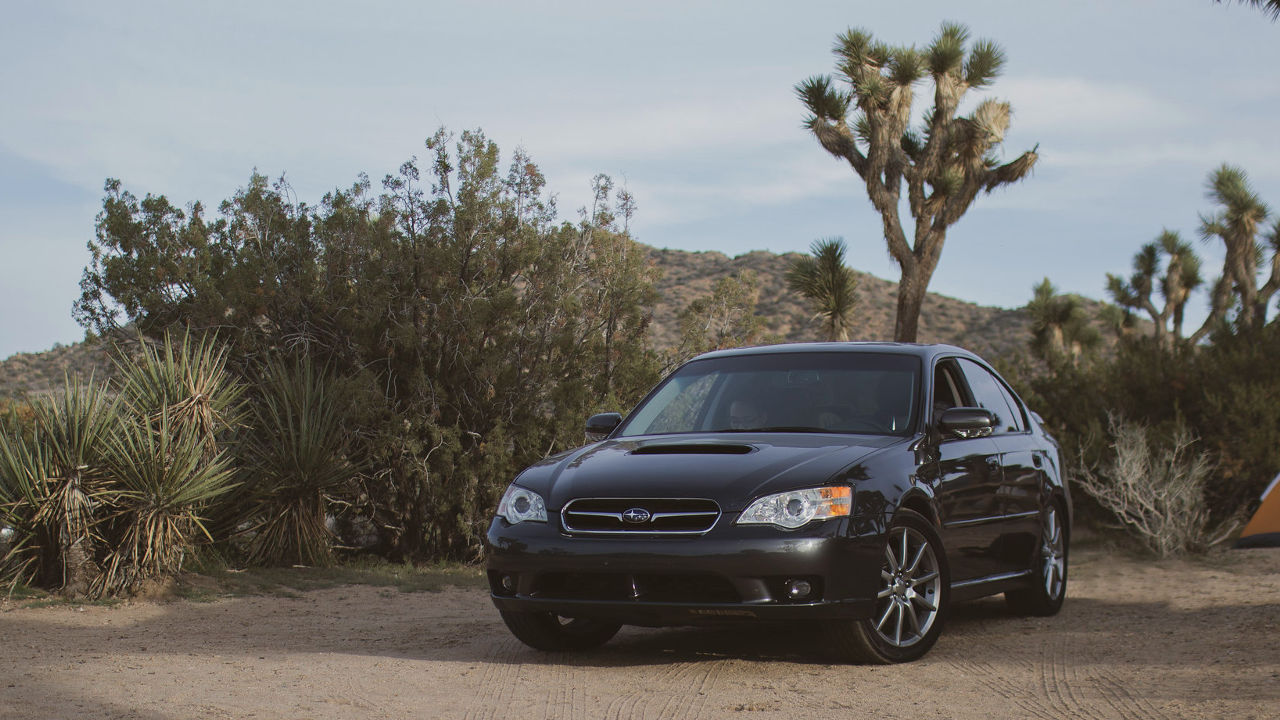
1035, 460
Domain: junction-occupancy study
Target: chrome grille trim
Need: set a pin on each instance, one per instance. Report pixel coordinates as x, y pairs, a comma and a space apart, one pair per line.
688, 509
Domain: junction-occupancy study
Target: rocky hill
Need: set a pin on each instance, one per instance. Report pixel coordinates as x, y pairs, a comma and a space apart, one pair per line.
989, 331
38, 372
685, 276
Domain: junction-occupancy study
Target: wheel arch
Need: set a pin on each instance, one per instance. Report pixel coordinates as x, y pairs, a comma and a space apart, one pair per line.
922, 504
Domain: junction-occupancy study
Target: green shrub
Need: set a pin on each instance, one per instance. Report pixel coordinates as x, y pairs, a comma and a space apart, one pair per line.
295, 460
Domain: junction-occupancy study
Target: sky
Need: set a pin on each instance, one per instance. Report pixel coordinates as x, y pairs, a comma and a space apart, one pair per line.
690, 105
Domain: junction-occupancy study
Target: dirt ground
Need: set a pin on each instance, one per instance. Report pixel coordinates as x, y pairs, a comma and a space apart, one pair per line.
1137, 639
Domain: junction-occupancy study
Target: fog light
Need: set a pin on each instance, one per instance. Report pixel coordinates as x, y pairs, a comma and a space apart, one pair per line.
508, 583
798, 589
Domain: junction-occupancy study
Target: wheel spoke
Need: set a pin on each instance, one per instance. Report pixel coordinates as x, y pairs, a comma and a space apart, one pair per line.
930, 577
897, 633
915, 562
893, 562
923, 602
885, 617
909, 610
884, 593
903, 554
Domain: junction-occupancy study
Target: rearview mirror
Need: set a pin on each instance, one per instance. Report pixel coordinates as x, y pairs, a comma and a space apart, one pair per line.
599, 426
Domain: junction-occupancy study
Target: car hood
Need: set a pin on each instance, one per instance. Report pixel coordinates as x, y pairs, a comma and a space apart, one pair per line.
732, 469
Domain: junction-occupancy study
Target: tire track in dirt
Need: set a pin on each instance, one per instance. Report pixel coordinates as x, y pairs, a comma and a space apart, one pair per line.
1125, 702
689, 705
623, 707
680, 687
1062, 682
498, 681
1057, 686
1019, 695
566, 698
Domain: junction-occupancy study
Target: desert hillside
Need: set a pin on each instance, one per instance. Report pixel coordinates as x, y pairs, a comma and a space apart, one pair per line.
989, 331
685, 276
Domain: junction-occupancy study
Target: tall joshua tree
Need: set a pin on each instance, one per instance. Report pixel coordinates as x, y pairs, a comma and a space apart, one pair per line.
824, 280
942, 165
1237, 223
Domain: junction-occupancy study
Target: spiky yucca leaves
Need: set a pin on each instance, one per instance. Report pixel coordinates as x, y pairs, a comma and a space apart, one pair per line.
828, 284
72, 427
188, 380
29, 546
162, 479
295, 459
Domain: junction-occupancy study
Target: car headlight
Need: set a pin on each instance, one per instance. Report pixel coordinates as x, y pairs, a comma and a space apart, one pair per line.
519, 505
792, 509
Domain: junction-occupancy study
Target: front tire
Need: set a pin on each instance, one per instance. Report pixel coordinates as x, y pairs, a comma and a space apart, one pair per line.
1049, 589
552, 633
912, 601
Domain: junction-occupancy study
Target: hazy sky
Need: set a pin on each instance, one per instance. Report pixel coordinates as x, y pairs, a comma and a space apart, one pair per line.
690, 104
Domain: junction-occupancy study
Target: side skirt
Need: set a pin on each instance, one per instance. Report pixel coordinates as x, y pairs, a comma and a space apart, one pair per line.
989, 585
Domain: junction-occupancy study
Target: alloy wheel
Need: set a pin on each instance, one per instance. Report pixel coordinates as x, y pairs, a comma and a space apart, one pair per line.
908, 601
1053, 555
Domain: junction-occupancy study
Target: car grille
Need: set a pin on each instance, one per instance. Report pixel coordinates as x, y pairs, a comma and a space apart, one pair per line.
649, 516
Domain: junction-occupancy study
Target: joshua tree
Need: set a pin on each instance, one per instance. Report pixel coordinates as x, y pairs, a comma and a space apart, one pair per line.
1060, 325
824, 280
942, 165
1181, 276
1237, 224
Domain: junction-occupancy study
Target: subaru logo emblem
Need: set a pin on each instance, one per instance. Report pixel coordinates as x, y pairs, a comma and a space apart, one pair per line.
636, 515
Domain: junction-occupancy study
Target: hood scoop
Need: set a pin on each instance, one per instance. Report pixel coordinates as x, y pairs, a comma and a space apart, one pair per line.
694, 449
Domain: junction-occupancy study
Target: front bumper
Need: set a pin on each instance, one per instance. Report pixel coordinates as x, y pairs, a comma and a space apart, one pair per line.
732, 573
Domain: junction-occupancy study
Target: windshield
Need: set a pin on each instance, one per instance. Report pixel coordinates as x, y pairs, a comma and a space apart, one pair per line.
785, 392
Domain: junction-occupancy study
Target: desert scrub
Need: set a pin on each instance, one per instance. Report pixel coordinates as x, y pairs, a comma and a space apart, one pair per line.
1155, 488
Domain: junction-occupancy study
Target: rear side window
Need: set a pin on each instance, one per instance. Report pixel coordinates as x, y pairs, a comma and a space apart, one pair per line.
989, 393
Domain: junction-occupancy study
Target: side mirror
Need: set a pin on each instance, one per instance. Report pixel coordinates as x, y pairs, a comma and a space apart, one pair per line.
967, 422
599, 426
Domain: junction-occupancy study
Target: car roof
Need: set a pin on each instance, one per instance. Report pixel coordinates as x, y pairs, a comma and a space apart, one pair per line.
923, 351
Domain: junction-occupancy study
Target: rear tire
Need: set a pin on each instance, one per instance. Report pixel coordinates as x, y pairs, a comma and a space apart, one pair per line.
552, 633
912, 601
1049, 589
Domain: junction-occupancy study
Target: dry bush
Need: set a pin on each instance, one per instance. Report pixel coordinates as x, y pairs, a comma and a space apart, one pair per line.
1156, 489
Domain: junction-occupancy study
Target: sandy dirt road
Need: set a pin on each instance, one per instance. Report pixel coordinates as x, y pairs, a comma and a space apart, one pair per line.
1183, 639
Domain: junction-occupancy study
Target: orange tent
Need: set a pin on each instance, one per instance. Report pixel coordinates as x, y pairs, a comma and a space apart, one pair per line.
1264, 529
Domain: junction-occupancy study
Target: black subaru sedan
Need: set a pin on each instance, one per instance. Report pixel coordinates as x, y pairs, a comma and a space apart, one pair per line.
865, 486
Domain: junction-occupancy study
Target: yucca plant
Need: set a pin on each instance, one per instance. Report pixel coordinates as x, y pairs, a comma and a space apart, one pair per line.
188, 380
162, 479
296, 458
55, 489
828, 284
28, 546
